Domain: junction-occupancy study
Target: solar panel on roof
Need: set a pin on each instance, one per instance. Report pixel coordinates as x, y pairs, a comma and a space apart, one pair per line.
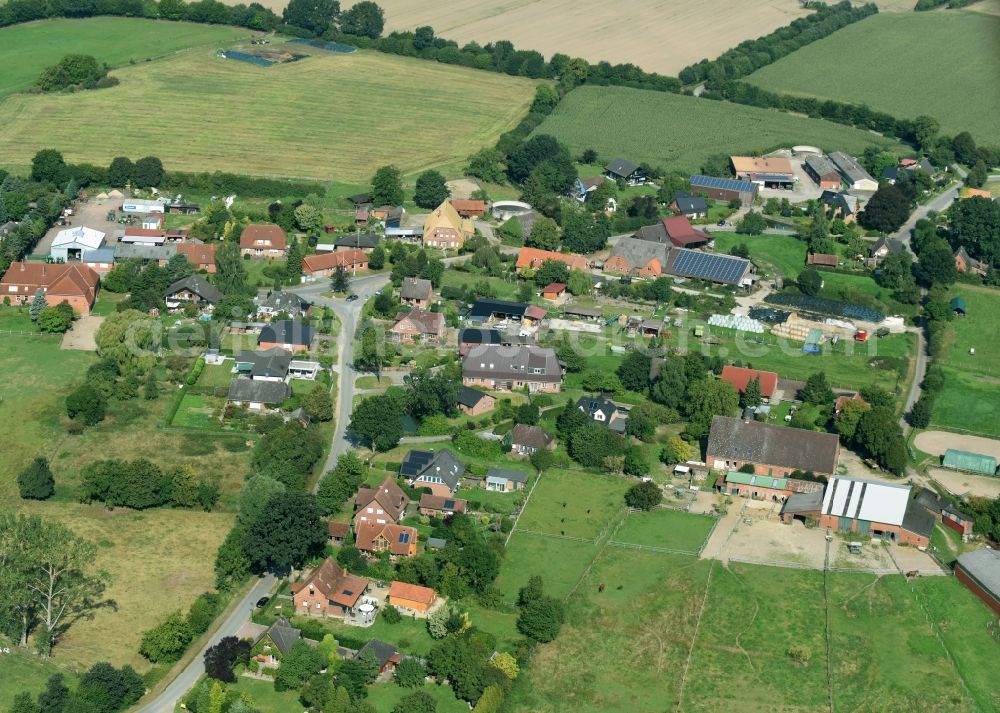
404, 538
721, 268
348, 592
726, 184
449, 504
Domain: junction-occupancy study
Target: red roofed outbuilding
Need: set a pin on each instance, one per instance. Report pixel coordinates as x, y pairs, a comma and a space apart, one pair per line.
739, 377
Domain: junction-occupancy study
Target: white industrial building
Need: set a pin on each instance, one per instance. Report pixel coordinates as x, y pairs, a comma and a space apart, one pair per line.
70, 244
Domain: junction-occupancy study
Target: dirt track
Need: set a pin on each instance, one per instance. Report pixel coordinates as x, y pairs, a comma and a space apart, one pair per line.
937, 442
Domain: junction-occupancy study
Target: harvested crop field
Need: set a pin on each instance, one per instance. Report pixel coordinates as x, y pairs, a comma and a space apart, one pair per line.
329, 116
680, 132
658, 35
872, 62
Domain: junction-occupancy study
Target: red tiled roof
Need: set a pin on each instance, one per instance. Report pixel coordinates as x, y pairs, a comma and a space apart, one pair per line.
822, 259
426, 322
331, 261
388, 495
412, 592
533, 258
198, 254
69, 280
535, 312
253, 233
557, 287
143, 232
681, 233
335, 583
339, 529
468, 205
368, 532
740, 376
438, 502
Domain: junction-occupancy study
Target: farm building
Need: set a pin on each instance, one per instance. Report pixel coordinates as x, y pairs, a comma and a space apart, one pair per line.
714, 267
969, 462
141, 236
980, 572
822, 259
488, 310
757, 487
946, 513
137, 205
444, 228
852, 172
739, 377
72, 243
554, 292
724, 189
822, 170
469, 207
682, 234
772, 450
958, 306
624, 170
100, 261
72, 283
769, 172
638, 257
868, 508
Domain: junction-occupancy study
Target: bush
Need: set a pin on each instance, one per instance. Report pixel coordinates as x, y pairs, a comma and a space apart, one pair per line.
166, 641
391, 615
644, 496
86, 405
199, 366
35, 482
470, 444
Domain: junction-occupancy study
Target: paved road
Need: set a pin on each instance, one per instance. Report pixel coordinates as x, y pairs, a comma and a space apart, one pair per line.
939, 204
167, 700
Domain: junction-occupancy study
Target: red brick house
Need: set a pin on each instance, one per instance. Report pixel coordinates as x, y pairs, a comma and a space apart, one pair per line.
329, 590
72, 283
201, 257
259, 240
739, 377
525, 440
397, 540
324, 265
383, 505
500, 368
444, 228
475, 403
419, 325
441, 506
286, 334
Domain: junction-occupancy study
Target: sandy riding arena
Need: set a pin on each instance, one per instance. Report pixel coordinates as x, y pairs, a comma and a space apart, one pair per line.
937, 442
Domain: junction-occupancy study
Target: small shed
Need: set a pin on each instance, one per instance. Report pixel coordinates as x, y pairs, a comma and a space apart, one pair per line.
958, 306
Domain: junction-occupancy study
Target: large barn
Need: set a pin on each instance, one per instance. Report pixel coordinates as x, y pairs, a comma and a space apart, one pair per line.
772, 450
980, 572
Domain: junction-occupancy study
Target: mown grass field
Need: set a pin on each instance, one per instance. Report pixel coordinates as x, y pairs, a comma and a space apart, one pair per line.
329, 116
560, 505
670, 529
878, 62
25, 50
161, 551
970, 399
786, 253
680, 132
885, 647
25, 672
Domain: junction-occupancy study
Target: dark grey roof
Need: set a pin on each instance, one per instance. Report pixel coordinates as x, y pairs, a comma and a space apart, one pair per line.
622, 167
849, 167
656, 233
268, 363
803, 502
379, 649
984, 567
894, 246
821, 166
283, 634
931, 500
125, 251
512, 362
414, 288
686, 203
591, 405
264, 392
917, 519
470, 397
484, 309
516, 476
286, 331
756, 442
725, 269
890, 172
581, 311
199, 286
360, 241
105, 254
475, 335
284, 302
442, 464
637, 253
360, 198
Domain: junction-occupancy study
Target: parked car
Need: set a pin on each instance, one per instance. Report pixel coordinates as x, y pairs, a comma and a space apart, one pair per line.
262, 602
351, 297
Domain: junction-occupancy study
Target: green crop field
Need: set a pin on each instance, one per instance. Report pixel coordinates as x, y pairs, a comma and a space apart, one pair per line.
942, 64
328, 116
679, 132
25, 50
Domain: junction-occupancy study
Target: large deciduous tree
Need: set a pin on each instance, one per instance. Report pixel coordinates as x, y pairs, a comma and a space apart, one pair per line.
887, 210
35, 481
430, 190
387, 186
287, 531
365, 19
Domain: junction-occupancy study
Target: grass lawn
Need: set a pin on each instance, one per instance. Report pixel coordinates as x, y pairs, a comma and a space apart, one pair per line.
559, 562
618, 121
573, 503
970, 399
25, 672
216, 375
786, 253
849, 66
25, 50
385, 696
107, 303
16, 318
296, 107
504, 289
197, 411
371, 382
847, 364
671, 529
492, 501
409, 635
264, 697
